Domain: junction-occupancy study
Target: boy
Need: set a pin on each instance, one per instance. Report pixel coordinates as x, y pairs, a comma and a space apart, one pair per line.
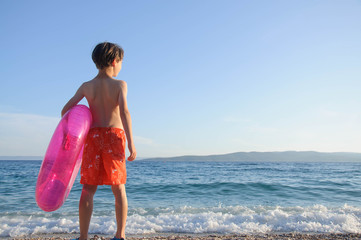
104, 150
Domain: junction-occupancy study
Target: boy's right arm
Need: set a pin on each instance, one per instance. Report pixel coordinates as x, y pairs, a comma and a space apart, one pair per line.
126, 120
74, 100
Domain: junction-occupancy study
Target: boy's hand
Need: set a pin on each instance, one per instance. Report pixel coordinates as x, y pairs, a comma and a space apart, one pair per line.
133, 153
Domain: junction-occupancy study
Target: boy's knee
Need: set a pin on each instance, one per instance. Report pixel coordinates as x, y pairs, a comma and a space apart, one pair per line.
89, 189
118, 190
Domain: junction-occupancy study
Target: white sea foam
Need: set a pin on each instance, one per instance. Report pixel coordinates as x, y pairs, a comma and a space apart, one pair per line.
231, 219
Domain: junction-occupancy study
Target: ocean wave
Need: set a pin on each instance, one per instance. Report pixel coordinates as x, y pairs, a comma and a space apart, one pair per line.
187, 219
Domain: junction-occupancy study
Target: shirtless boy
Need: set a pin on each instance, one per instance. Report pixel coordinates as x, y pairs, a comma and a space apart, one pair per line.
104, 153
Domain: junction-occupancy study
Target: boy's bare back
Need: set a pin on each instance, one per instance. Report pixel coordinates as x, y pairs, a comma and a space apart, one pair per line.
105, 96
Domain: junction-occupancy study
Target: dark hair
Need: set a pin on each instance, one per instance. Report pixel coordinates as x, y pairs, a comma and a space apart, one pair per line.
105, 53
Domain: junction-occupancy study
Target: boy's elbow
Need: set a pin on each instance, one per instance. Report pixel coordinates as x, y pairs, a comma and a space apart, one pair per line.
124, 112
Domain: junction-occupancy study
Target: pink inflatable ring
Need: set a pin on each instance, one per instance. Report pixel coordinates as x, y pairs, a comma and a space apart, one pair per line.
62, 159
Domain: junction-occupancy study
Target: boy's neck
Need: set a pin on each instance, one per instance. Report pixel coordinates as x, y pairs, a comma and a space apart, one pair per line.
105, 73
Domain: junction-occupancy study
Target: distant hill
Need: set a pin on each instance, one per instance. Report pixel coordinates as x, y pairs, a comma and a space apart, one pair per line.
289, 156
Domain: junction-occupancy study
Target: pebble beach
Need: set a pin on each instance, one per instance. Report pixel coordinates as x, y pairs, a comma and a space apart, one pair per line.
271, 236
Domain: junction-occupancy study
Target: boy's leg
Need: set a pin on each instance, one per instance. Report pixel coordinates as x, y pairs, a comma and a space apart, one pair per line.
121, 209
86, 209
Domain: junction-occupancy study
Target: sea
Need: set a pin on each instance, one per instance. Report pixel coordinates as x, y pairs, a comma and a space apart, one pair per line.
197, 197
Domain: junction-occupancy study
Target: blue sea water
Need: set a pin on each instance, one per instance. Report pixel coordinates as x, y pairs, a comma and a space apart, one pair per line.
197, 197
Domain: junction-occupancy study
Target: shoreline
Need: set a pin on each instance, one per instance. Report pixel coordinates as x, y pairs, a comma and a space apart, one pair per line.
210, 236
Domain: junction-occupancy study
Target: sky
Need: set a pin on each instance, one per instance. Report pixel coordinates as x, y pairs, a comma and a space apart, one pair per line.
204, 77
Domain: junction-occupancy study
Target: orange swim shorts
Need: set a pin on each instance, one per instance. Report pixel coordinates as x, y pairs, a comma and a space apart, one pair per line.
104, 157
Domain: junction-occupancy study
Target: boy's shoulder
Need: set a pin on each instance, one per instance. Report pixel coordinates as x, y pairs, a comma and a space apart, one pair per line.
110, 81
120, 83
115, 84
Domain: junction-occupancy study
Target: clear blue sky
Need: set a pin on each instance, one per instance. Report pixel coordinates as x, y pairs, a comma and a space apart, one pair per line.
204, 77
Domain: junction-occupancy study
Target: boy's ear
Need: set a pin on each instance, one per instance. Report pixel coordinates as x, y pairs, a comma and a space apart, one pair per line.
114, 62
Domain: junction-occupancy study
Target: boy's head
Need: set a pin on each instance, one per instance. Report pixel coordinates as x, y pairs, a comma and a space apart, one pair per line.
105, 53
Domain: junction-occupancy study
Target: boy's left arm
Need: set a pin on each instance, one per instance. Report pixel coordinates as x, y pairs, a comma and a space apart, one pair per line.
74, 100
